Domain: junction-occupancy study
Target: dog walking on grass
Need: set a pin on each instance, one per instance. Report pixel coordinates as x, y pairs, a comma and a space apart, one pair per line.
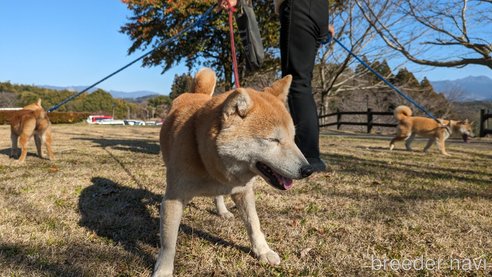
409, 126
31, 121
215, 146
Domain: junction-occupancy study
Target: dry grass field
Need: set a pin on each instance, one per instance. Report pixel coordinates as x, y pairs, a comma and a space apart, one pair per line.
94, 211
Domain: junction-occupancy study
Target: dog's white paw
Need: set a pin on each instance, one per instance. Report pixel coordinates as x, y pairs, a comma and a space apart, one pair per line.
226, 215
161, 269
270, 257
162, 273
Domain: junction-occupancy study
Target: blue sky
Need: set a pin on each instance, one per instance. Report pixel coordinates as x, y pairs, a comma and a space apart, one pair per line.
71, 43
68, 43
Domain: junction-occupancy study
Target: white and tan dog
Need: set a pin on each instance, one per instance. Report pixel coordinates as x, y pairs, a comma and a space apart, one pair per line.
409, 126
215, 146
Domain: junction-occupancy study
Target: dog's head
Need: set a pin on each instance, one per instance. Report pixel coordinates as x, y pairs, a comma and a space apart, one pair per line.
257, 134
466, 129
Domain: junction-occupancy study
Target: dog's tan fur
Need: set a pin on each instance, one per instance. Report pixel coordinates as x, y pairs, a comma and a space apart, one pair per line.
32, 120
409, 126
215, 146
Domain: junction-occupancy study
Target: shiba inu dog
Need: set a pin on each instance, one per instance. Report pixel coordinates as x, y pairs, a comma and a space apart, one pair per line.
31, 120
215, 146
409, 126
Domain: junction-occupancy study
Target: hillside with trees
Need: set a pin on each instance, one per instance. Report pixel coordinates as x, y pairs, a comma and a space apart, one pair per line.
97, 102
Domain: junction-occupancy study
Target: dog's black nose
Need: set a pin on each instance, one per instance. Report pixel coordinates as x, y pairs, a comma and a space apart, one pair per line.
306, 171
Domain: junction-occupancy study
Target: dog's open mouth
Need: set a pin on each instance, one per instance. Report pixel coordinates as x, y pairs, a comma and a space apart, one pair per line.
276, 180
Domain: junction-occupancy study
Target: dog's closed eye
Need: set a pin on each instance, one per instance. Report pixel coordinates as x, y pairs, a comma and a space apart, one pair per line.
276, 140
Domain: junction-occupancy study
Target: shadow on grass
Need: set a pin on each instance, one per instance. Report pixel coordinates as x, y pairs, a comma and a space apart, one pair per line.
385, 172
133, 145
121, 214
29, 155
358, 165
33, 260
453, 148
484, 156
5, 152
416, 154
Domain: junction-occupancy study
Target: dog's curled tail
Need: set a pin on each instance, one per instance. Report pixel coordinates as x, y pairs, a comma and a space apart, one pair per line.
401, 112
204, 81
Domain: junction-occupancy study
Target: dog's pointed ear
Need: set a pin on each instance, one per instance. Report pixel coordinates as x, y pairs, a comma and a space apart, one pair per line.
238, 103
466, 121
39, 102
280, 88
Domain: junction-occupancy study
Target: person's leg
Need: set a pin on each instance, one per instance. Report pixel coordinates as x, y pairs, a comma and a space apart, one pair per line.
303, 24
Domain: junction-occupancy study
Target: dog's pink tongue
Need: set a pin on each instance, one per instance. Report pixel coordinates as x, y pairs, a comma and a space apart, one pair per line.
283, 181
286, 182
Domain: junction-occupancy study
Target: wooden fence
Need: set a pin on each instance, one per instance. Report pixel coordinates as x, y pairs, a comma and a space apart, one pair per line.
484, 124
369, 123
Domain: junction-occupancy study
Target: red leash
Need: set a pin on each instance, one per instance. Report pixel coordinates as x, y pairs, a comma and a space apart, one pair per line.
233, 47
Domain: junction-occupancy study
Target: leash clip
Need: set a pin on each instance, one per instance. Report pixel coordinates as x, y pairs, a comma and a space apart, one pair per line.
327, 40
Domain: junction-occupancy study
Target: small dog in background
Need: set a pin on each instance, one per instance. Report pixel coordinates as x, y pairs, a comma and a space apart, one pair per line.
31, 120
409, 126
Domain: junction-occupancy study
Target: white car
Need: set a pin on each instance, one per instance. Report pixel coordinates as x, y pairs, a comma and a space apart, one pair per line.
110, 122
134, 122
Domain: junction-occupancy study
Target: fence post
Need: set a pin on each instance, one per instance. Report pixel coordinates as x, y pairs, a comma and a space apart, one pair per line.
339, 117
482, 123
369, 120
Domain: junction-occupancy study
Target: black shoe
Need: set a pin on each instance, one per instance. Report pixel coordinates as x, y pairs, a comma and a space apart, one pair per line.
317, 164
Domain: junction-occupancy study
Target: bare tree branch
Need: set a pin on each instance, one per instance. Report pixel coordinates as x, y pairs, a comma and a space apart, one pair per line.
477, 51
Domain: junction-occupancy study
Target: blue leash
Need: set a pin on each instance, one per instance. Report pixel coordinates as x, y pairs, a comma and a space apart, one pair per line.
408, 98
199, 21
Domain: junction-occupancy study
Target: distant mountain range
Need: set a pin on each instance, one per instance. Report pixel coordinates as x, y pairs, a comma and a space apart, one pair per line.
114, 93
468, 88
465, 89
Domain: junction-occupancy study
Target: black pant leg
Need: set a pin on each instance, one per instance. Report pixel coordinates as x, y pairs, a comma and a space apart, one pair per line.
303, 24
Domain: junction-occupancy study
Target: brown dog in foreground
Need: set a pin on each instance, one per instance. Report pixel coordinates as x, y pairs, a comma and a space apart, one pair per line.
216, 145
409, 126
31, 120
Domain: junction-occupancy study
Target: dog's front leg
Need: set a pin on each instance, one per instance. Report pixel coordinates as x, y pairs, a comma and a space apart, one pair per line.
171, 212
246, 204
441, 145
